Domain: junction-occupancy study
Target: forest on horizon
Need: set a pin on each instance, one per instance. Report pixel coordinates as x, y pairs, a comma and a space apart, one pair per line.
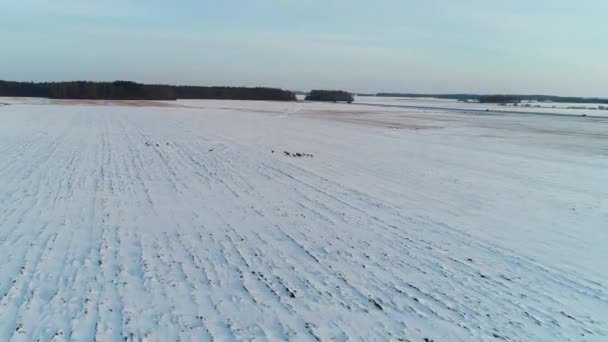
127, 90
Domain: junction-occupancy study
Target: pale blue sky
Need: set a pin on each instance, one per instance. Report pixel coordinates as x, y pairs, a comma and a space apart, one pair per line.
484, 46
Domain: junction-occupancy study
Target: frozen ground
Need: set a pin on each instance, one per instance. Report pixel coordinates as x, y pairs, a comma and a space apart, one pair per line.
177, 222
588, 109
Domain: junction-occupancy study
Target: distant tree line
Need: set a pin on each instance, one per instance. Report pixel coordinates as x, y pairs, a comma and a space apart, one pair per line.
538, 98
330, 95
234, 93
500, 98
126, 90
460, 97
545, 98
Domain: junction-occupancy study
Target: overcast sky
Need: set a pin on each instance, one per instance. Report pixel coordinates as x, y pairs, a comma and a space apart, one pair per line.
482, 46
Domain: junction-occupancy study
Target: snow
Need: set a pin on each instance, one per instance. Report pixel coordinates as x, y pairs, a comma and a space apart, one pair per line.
176, 221
587, 109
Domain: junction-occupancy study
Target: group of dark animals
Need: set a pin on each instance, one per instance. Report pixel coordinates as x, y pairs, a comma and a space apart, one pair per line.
296, 155
289, 154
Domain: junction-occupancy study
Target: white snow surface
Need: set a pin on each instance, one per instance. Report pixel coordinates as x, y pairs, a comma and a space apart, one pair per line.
587, 109
168, 221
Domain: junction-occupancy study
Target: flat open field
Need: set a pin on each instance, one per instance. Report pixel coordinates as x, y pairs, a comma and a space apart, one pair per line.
187, 220
555, 108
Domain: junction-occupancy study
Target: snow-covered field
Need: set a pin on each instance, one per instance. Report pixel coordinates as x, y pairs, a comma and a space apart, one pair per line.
588, 109
176, 221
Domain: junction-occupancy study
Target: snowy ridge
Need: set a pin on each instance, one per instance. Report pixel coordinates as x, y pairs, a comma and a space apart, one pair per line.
117, 226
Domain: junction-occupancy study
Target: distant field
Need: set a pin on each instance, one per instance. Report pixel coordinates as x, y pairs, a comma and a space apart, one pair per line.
590, 109
239, 220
